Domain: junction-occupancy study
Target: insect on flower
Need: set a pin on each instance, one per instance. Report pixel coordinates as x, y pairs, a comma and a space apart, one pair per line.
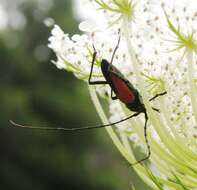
122, 89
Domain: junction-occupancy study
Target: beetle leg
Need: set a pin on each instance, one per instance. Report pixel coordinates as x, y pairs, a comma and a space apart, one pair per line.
113, 97
91, 70
146, 141
155, 109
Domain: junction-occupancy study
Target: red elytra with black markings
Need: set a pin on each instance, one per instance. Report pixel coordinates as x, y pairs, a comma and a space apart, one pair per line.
123, 90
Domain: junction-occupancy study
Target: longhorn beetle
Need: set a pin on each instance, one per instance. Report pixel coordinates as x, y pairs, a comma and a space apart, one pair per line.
123, 90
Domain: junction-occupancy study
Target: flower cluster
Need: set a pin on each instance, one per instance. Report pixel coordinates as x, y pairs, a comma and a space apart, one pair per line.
157, 52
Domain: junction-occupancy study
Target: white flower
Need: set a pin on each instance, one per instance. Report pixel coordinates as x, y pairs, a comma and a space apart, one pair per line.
157, 53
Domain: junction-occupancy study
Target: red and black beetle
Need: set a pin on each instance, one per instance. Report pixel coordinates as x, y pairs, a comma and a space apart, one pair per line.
123, 90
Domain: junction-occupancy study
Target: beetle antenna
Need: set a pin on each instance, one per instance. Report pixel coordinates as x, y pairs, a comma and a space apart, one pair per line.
72, 129
115, 47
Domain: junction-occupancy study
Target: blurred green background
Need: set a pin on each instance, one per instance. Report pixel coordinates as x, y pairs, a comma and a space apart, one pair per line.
34, 91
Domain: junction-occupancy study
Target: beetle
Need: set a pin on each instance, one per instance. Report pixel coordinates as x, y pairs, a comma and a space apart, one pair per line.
124, 91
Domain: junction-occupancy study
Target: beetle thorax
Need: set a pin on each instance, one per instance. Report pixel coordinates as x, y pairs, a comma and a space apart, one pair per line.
105, 66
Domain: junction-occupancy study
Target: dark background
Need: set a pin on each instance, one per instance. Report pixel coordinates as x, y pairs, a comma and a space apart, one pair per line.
34, 91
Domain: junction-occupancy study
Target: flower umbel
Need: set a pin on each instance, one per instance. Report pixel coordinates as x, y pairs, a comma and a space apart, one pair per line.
157, 53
